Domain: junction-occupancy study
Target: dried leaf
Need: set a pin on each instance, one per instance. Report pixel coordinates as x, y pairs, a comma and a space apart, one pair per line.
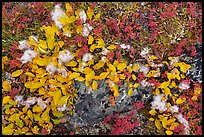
17, 73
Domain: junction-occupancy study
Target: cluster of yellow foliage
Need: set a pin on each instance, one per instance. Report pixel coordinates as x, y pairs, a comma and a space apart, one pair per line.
166, 121
58, 88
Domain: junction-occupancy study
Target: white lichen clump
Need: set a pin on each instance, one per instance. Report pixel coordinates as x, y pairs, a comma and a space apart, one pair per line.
174, 109
87, 57
51, 69
183, 86
28, 56
23, 45
65, 56
183, 121
145, 52
83, 16
86, 30
157, 103
56, 14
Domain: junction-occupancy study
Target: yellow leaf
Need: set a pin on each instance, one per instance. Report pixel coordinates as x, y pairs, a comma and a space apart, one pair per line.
151, 73
111, 47
30, 74
45, 115
37, 84
97, 16
173, 84
30, 115
6, 100
180, 100
121, 66
63, 100
7, 130
74, 75
91, 39
197, 91
134, 77
57, 113
101, 43
71, 63
24, 129
43, 61
153, 57
79, 30
194, 98
135, 67
94, 85
103, 75
17, 73
6, 86
173, 125
90, 76
112, 68
61, 43
35, 130
152, 112
92, 47
90, 13
151, 119
80, 79
56, 121
170, 121
87, 70
115, 94
42, 44
99, 65
169, 132
57, 96
121, 76
68, 8
130, 92
37, 108
183, 66
158, 124
63, 19
164, 122
36, 117
136, 85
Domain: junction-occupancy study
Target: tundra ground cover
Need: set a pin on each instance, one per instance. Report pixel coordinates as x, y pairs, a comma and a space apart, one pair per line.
138, 44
